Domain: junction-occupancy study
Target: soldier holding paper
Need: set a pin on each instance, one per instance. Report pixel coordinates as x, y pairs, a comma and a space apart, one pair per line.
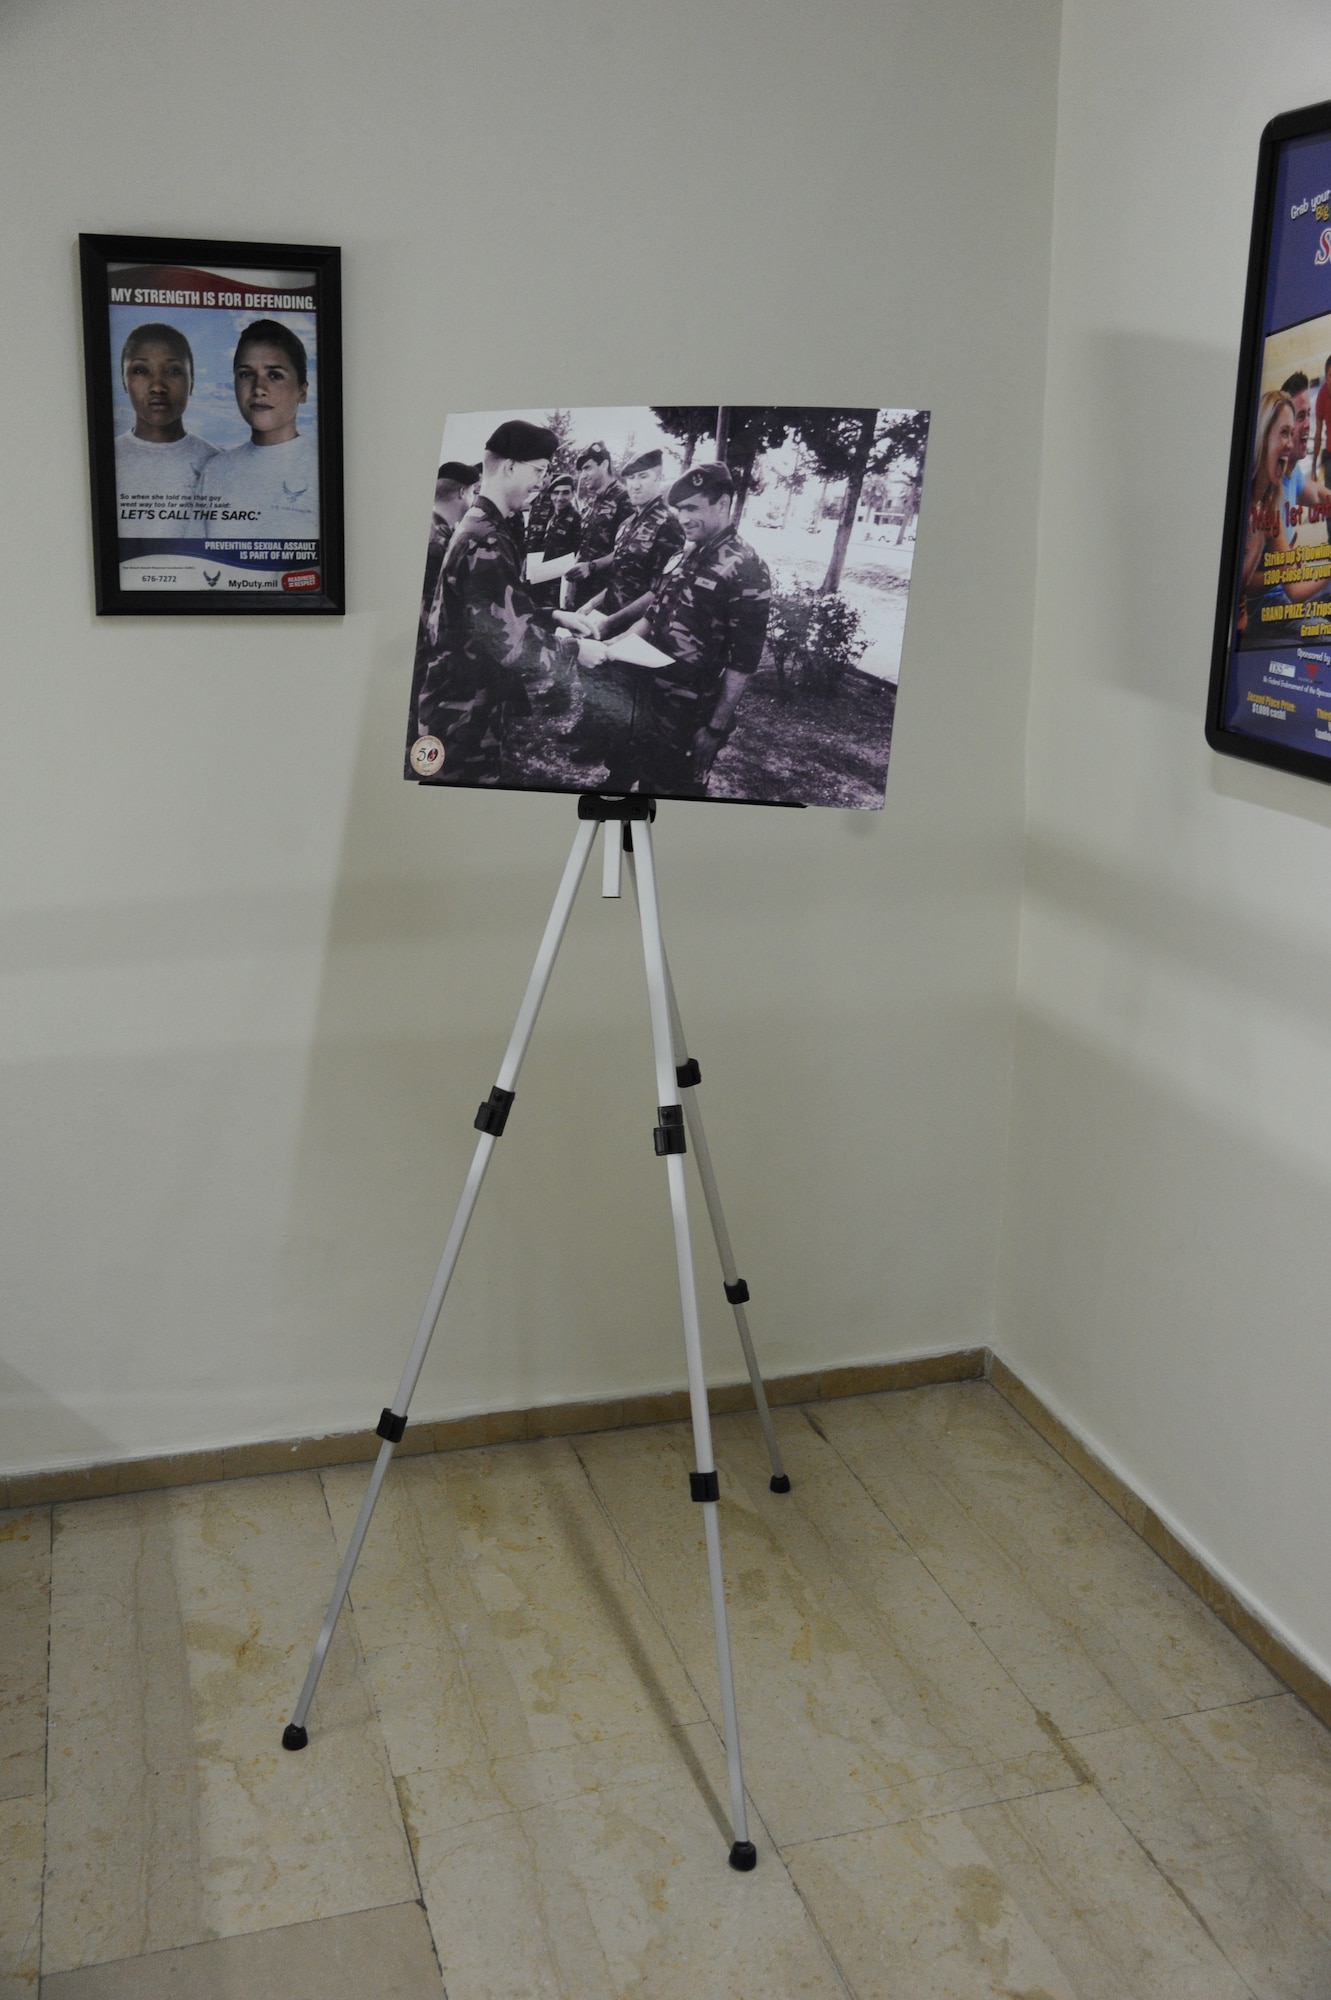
606, 504
709, 617
494, 641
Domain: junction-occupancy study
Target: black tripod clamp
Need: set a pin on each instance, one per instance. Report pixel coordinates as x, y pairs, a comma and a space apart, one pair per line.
592, 805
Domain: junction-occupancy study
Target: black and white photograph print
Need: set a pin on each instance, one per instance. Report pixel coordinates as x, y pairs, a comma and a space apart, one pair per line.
685, 602
214, 417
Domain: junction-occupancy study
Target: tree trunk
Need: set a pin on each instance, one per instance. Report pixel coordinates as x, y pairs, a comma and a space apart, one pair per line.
850, 505
690, 446
722, 434
743, 476
909, 511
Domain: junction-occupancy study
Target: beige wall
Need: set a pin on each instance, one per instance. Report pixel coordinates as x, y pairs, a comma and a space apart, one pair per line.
1165, 1260
254, 985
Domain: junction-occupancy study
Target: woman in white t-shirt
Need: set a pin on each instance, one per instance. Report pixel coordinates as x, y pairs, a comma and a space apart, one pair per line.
268, 488
158, 462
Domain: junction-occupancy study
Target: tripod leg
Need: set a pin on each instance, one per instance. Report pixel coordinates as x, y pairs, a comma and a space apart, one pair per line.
689, 1076
490, 1120
703, 1484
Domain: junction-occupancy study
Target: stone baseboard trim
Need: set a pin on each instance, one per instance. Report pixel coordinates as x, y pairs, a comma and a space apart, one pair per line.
1297, 1675
245, 1461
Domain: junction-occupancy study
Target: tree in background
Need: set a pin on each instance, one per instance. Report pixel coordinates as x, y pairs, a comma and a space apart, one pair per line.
849, 444
561, 423
740, 434
688, 422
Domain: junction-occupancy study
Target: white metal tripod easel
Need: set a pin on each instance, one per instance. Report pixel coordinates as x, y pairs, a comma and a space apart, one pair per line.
676, 1073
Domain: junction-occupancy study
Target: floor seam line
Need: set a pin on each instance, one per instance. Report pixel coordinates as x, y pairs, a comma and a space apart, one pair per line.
46, 1742
632, 1564
368, 1682
1008, 1676
1173, 1886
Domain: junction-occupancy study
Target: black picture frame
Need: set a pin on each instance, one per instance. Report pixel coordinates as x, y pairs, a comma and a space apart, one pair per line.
250, 559
1234, 661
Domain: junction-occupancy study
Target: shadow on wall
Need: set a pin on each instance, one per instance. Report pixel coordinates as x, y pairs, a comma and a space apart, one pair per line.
1164, 1278
1208, 938
1204, 998
440, 903
1152, 419
26, 1407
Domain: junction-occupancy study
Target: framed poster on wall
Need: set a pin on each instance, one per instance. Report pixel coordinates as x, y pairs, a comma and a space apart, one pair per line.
214, 387
1270, 695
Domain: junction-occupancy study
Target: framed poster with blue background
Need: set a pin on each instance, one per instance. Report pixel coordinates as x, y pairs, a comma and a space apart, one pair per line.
1270, 696
214, 384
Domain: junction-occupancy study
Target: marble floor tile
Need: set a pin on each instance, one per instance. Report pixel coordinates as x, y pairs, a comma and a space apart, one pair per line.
387, 1954
22, 1832
625, 1890
1234, 1807
1116, 1926
181, 1627
25, 1586
1000, 1750
1044, 1898
1093, 1627
864, 1696
500, 1620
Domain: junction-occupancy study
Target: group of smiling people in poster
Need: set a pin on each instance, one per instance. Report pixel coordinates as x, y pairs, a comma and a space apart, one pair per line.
1285, 580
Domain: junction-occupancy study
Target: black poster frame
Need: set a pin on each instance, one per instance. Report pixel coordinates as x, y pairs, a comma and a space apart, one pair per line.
1310, 121
97, 253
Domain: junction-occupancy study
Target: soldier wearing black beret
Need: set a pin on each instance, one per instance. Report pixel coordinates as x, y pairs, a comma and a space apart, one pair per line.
648, 538
522, 442
709, 614
494, 641
645, 540
454, 489
710, 481
605, 504
554, 528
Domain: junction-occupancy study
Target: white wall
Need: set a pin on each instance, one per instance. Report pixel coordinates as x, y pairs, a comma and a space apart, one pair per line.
1165, 1248
253, 985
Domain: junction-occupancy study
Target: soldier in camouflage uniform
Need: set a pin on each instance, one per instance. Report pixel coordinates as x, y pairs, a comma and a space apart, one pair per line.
606, 503
556, 532
494, 641
454, 490
647, 540
710, 615
538, 516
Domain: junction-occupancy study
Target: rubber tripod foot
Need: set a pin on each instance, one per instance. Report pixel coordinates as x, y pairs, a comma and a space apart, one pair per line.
744, 1856
294, 1737
780, 1482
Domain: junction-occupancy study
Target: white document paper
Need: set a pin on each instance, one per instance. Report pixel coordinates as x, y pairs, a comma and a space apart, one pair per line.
635, 651
541, 571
